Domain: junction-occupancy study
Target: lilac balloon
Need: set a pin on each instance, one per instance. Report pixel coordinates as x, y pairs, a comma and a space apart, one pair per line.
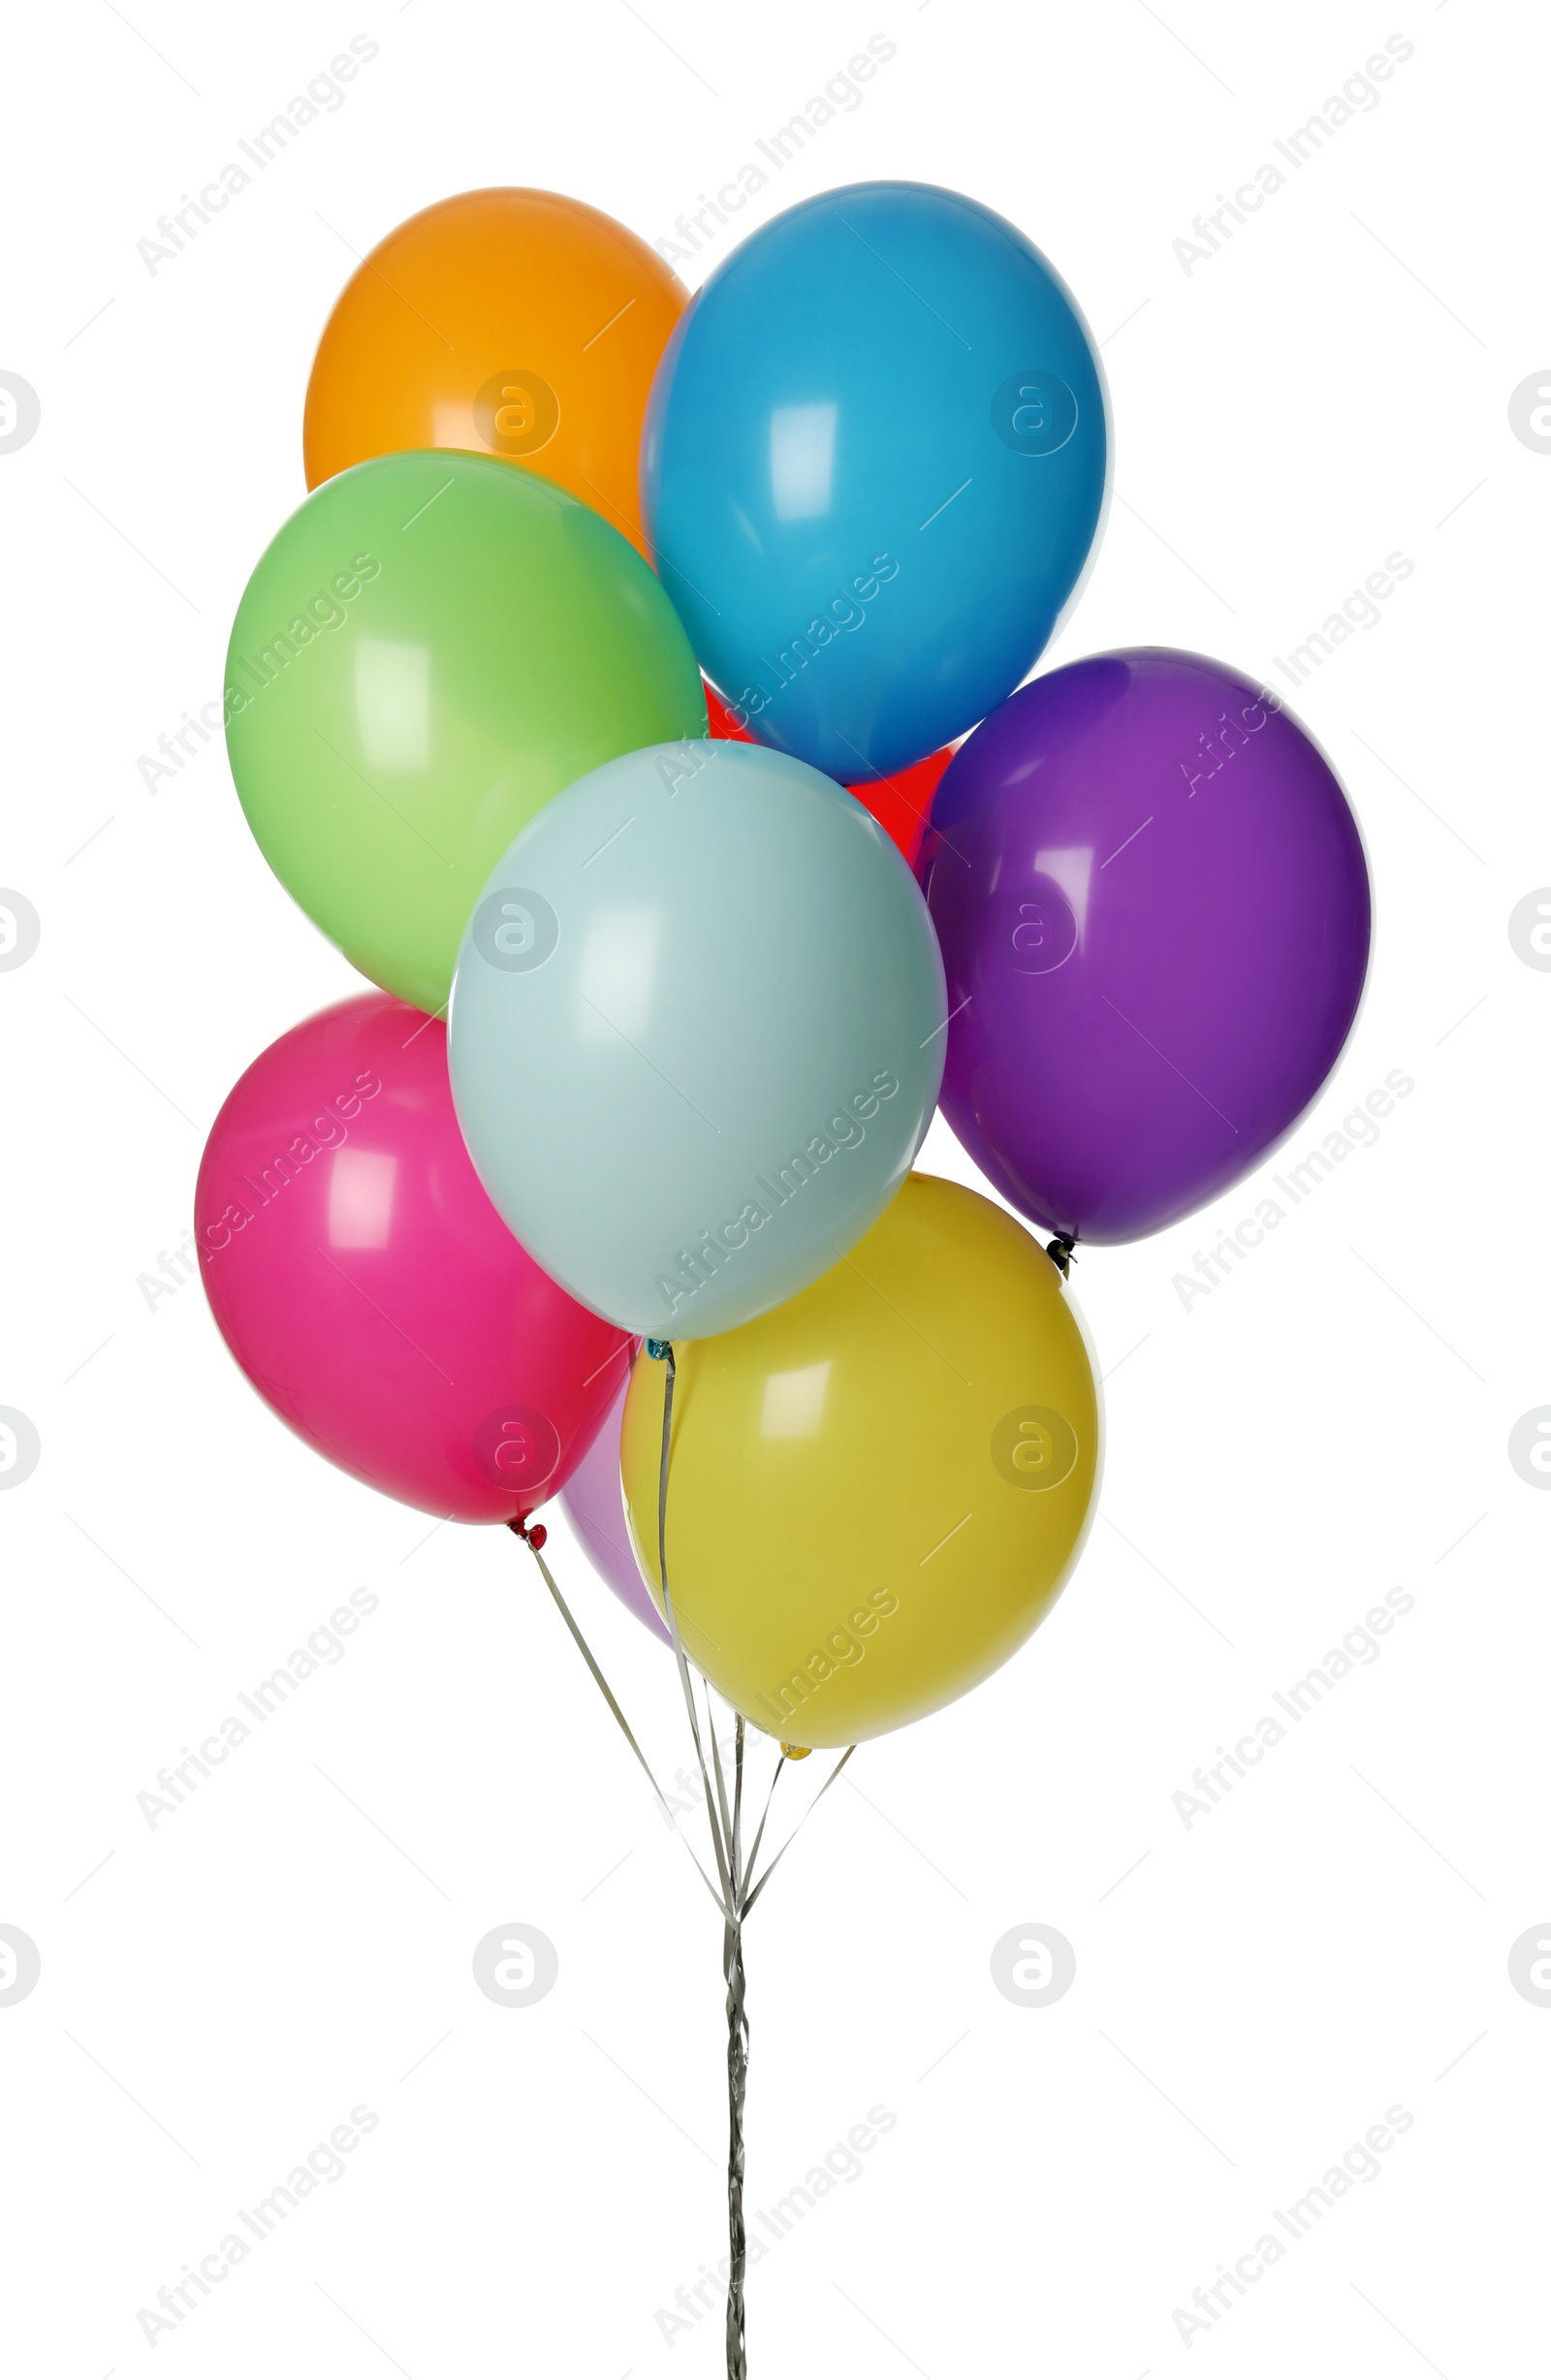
594, 1504
1153, 909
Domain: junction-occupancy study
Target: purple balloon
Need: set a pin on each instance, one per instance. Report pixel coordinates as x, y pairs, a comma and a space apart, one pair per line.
1152, 904
594, 1503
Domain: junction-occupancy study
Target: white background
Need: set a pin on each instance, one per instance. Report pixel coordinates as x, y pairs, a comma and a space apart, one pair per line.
1252, 1992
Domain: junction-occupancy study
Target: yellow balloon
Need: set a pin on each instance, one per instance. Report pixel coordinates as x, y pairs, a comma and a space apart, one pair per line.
876, 1491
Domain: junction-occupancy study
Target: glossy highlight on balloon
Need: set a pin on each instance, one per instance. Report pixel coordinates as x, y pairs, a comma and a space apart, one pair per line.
430, 648
873, 471
696, 1033
370, 1290
518, 323
875, 1492
1154, 909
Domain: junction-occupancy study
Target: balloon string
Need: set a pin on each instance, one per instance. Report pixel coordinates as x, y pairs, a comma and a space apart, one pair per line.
729, 1852
731, 1959
748, 1898
663, 1349
534, 1539
739, 1889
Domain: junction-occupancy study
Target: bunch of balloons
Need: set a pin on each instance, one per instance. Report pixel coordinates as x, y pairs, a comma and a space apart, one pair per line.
671, 974
638, 701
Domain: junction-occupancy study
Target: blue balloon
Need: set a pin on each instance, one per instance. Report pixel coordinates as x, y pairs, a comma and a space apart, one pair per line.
697, 1033
874, 467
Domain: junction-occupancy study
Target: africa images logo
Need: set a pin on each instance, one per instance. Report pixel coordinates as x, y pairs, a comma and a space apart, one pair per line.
842, 1649
327, 1129
710, 1251
516, 412
1033, 1447
515, 930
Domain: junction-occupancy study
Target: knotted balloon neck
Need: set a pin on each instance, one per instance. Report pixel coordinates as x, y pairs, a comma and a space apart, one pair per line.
1060, 1251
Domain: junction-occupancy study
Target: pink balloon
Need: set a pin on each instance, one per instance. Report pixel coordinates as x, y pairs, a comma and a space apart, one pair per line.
594, 1503
371, 1292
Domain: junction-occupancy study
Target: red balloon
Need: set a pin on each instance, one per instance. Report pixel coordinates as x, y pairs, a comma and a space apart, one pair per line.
369, 1289
900, 803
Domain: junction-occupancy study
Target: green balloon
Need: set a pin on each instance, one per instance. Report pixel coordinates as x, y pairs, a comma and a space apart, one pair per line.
433, 646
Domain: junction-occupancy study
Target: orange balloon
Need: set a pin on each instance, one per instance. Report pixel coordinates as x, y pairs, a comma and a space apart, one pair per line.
514, 323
